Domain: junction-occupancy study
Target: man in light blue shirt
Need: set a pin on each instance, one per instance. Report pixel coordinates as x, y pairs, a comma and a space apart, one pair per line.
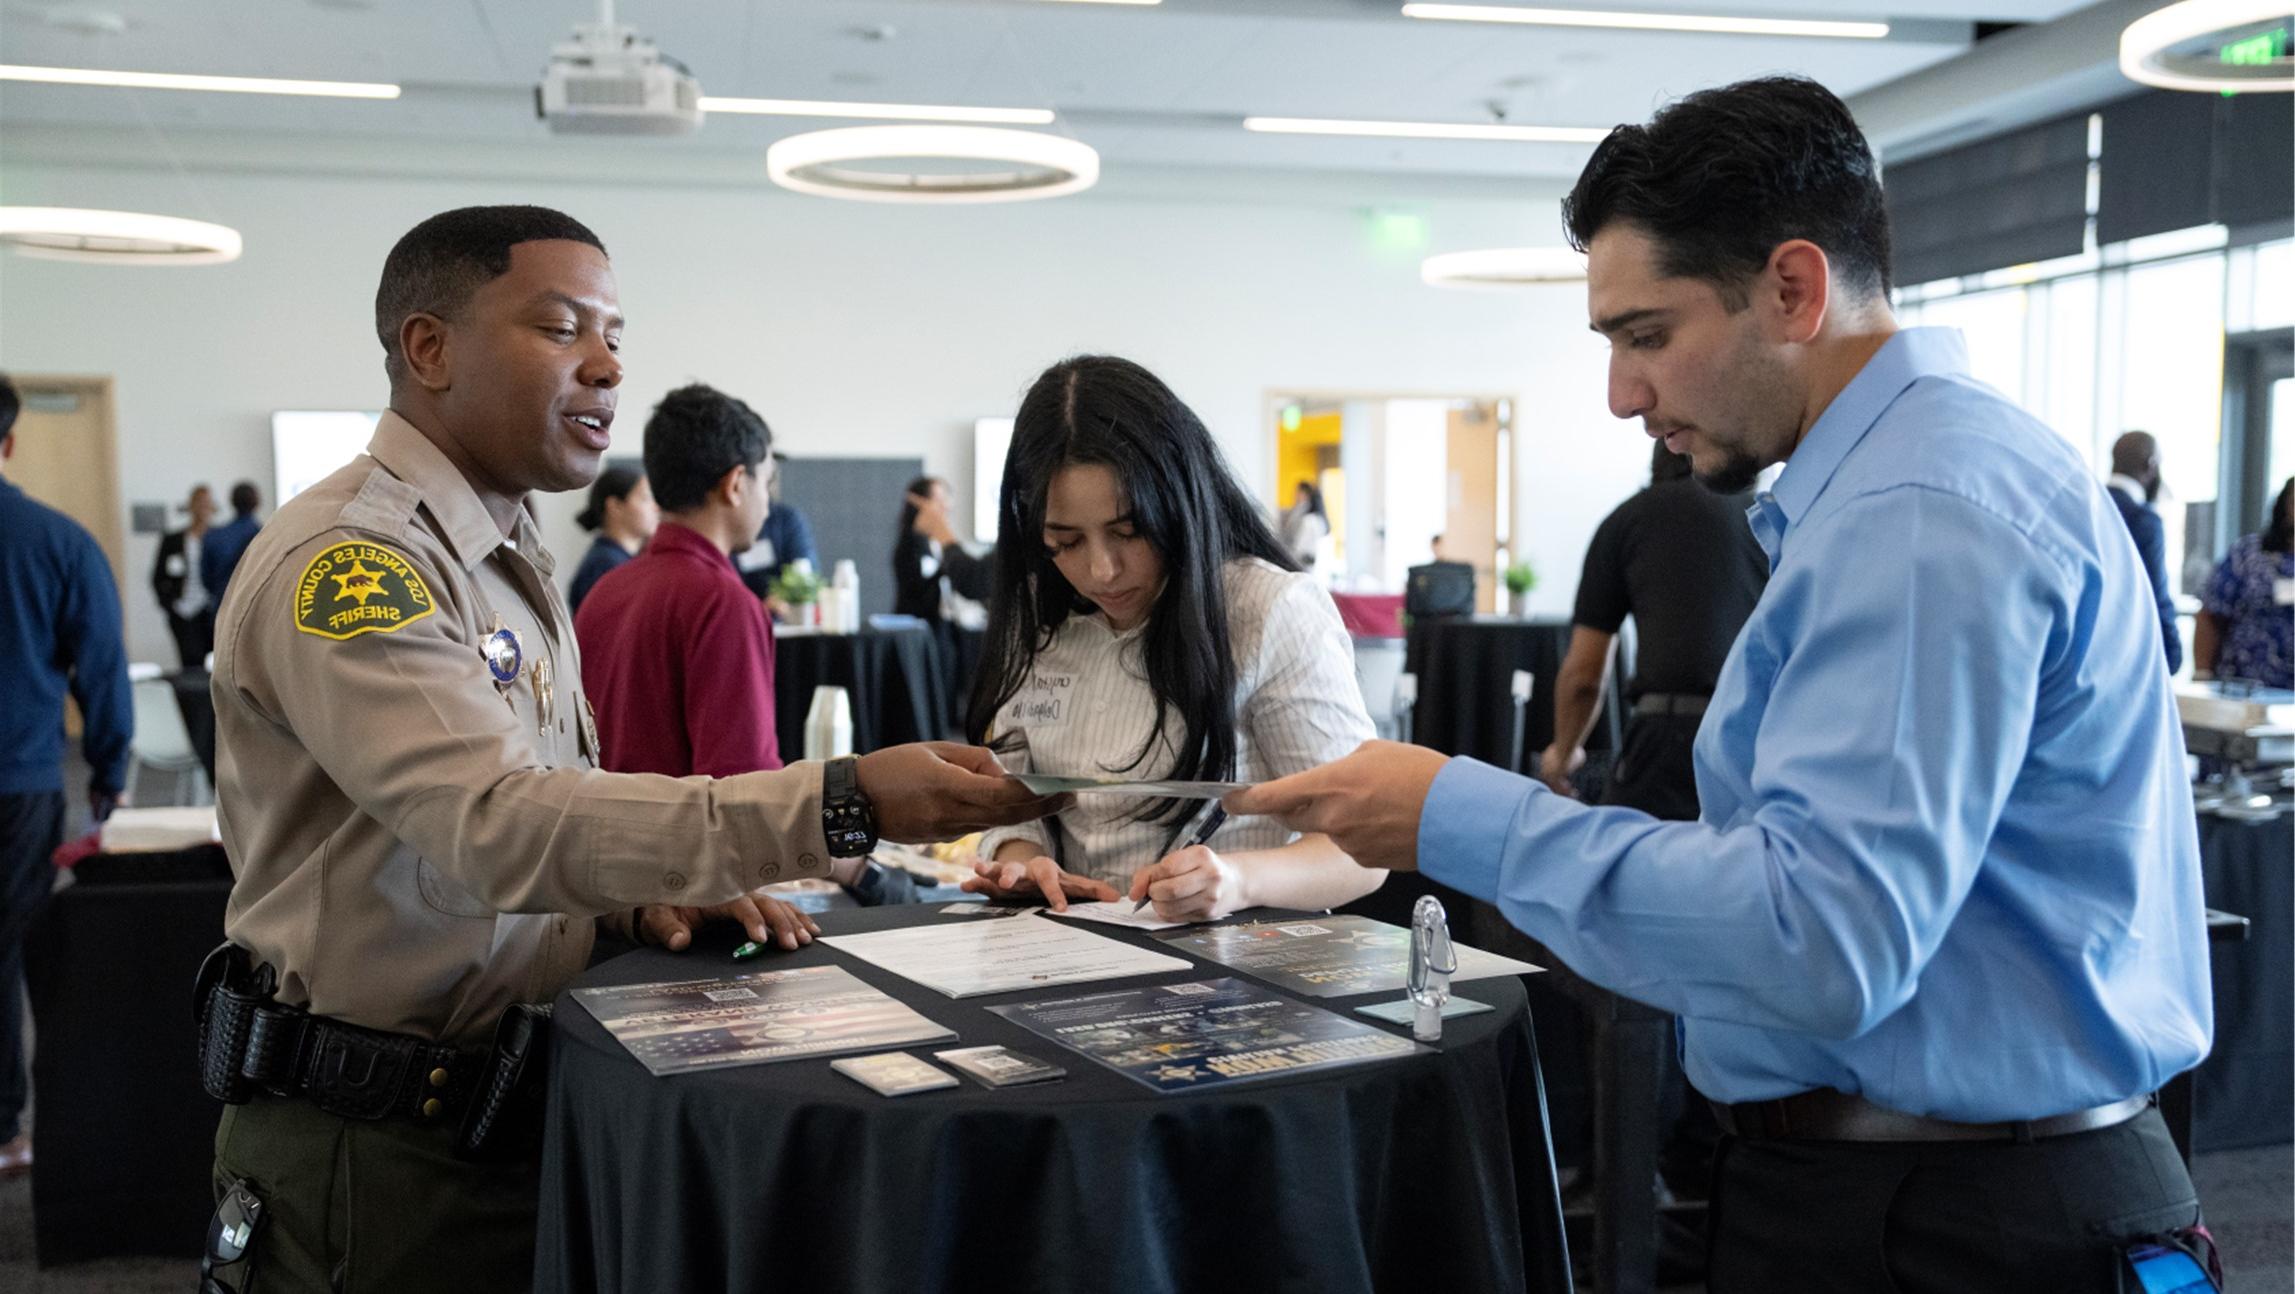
1938, 932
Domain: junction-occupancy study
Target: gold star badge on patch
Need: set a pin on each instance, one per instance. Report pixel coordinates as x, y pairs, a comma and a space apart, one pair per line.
358, 582
384, 589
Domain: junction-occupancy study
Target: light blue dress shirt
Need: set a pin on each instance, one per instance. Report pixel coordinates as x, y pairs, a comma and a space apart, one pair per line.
1947, 859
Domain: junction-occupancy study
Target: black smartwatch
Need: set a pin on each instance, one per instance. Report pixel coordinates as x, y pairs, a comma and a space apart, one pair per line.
848, 821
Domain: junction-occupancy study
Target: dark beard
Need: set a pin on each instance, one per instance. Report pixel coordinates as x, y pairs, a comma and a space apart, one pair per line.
1735, 475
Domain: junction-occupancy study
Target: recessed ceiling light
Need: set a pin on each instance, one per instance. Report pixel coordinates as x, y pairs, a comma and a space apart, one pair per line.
966, 164
1428, 130
1503, 267
883, 111
115, 237
2228, 45
1648, 21
180, 81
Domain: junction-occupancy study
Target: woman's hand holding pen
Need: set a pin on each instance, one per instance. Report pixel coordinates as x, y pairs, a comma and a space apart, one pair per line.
1192, 884
1019, 878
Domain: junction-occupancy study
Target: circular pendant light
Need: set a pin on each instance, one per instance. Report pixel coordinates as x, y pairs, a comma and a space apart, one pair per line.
932, 164
1503, 267
2211, 45
115, 237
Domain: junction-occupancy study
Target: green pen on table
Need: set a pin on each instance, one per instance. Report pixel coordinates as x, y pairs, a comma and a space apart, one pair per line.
1199, 829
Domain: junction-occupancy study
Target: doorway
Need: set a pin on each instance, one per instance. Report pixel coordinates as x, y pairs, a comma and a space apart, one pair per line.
66, 456
1404, 480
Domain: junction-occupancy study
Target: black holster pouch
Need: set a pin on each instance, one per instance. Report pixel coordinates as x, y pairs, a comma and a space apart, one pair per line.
225, 1000
504, 1118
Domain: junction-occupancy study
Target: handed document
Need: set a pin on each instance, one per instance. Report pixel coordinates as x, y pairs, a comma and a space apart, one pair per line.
972, 958
1046, 784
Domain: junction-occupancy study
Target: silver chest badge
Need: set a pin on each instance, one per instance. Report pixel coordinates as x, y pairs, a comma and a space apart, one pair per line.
504, 657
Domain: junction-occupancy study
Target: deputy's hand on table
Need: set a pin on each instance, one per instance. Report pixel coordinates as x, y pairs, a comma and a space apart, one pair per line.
1193, 884
940, 790
1367, 803
769, 921
1556, 764
1033, 877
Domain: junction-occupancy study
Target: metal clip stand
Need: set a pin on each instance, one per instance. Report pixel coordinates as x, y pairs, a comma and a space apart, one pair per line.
1406, 705
1433, 960
1523, 682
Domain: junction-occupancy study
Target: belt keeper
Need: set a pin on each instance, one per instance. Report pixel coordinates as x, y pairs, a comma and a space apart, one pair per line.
274, 1048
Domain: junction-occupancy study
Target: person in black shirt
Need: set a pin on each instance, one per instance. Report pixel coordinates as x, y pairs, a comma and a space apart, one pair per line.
1681, 561
179, 580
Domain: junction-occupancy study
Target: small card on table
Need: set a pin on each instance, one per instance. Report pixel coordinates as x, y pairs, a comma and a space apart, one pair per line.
1000, 1066
893, 1073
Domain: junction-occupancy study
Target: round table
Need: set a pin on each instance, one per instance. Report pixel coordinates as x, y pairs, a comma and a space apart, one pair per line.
1465, 667
891, 676
1429, 1172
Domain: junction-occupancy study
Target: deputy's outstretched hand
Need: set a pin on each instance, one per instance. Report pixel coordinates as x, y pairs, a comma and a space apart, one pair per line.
939, 790
1368, 803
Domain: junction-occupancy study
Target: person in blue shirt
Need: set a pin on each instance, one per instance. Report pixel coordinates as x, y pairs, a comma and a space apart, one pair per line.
2135, 486
1936, 936
2246, 628
59, 632
227, 543
623, 515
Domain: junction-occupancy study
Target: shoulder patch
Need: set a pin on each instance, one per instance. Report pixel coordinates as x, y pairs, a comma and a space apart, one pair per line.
356, 588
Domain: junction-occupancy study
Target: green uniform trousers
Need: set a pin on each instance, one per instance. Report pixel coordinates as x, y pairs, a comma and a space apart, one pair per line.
356, 1206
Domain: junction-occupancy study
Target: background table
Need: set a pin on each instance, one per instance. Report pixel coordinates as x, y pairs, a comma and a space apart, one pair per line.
1370, 615
2244, 1092
1425, 1173
892, 676
123, 1136
1465, 667
198, 707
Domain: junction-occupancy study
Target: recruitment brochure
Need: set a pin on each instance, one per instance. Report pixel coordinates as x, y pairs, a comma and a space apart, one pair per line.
1117, 912
1209, 1033
893, 1073
1000, 1066
752, 1019
1047, 784
1335, 956
975, 958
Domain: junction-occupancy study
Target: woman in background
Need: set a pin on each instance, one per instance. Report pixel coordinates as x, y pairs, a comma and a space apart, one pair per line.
1306, 525
622, 513
1146, 623
2246, 626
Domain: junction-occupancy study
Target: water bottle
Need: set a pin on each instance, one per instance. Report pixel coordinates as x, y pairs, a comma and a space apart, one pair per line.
828, 613
829, 724
847, 582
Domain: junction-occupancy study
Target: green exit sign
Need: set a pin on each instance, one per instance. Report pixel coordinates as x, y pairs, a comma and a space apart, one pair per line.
2259, 50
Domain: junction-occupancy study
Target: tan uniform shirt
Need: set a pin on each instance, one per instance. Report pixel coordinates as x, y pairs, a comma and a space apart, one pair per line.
416, 845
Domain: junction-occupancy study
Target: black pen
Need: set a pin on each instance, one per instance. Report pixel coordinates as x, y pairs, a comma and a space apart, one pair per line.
1198, 830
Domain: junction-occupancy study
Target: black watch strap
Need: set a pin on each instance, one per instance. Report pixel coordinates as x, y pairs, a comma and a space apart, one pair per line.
848, 820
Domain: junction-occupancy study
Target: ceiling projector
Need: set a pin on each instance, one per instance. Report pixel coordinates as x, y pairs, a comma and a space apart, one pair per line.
609, 80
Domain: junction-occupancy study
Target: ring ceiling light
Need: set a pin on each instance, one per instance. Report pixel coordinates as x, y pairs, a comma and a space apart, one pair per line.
1503, 267
2211, 45
115, 237
932, 164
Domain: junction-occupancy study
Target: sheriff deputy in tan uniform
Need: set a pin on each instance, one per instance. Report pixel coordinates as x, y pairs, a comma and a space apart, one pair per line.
408, 786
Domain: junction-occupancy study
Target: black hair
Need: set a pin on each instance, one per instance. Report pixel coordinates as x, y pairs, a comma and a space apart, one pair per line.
696, 435
436, 265
1184, 501
920, 488
10, 405
1314, 498
615, 482
1720, 178
245, 498
2279, 536
1666, 465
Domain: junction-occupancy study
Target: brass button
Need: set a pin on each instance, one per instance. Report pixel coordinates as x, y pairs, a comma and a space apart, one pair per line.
807, 862
438, 1077
431, 1107
769, 870
673, 882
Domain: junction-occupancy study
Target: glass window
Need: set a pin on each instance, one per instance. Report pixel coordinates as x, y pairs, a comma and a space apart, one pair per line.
2282, 435
2067, 398
2273, 283
1993, 323
2170, 371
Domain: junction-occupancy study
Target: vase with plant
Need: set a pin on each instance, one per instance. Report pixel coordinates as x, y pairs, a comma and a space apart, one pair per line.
1520, 577
796, 589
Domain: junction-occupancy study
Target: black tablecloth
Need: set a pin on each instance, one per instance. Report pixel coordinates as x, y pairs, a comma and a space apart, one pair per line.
892, 676
1465, 667
1429, 1173
2244, 1093
198, 707
123, 1137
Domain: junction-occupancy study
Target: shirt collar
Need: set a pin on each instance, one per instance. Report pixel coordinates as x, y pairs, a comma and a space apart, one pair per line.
1912, 354
670, 537
468, 527
2127, 485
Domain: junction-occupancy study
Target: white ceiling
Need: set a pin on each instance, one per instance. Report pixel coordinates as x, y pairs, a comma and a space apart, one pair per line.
1163, 86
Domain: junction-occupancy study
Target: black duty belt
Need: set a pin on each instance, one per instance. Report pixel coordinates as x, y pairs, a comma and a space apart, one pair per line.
1661, 703
1827, 1115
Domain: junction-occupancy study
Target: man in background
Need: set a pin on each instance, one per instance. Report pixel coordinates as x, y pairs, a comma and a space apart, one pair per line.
227, 543
59, 631
2135, 487
179, 578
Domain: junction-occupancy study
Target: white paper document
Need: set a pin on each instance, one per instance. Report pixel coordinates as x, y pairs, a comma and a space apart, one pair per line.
976, 958
1046, 784
1118, 912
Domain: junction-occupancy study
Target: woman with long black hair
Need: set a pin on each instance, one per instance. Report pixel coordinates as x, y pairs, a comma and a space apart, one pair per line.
1146, 622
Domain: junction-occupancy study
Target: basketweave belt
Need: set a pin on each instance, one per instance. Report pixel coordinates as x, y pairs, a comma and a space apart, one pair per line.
1660, 703
1827, 1115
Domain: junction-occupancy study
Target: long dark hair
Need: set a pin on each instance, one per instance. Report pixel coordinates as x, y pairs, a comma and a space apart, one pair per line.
615, 482
920, 488
1314, 498
2279, 536
1099, 410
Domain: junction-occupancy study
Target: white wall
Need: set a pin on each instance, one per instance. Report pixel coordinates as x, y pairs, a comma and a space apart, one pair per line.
854, 328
